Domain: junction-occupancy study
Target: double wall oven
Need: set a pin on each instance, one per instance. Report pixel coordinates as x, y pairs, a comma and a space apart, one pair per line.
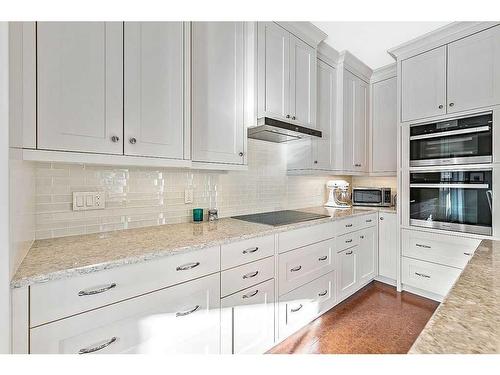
457, 198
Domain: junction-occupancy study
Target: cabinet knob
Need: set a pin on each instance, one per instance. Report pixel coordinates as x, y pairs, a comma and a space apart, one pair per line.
452, 104
357, 165
315, 162
287, 116
440, 106
293, 117
381, 218
133, 141
115, 138
241, 154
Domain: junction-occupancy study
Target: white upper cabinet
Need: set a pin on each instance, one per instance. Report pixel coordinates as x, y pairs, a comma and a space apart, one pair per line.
302, 82
423, 80
322, 149
274, 70
153, 89
384, 126
355, 118
286, 76
80, 84
218, 77
474, 71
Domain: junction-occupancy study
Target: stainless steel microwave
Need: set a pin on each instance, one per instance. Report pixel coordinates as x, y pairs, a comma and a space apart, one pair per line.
460, 141
371, 197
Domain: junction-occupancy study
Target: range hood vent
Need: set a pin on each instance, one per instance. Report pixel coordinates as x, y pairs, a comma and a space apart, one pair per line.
272, 130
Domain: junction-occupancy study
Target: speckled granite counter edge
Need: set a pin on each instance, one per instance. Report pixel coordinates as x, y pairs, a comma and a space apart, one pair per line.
147, 256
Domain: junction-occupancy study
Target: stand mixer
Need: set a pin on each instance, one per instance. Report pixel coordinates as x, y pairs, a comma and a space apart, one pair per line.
339, 195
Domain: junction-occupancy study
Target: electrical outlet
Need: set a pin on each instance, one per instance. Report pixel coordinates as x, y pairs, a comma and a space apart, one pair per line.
188, 196
88, 200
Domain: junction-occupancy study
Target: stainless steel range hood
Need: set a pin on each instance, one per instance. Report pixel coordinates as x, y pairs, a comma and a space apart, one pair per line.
272, 130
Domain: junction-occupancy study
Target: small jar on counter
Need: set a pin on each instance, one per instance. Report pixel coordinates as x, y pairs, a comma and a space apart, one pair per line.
213, 214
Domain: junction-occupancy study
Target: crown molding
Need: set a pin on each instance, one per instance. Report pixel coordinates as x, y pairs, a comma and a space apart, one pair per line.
355, 65
383, 73
444, 35
328, 54
306, 31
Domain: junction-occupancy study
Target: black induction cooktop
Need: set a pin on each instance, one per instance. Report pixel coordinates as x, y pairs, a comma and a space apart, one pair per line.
277, 218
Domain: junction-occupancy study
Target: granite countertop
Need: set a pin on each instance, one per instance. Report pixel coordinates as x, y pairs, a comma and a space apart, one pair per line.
468, 320
62, 257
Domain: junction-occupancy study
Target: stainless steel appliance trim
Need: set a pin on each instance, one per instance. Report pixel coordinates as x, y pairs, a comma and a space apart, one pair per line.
450, 186
450, 133
464, 228
452, 161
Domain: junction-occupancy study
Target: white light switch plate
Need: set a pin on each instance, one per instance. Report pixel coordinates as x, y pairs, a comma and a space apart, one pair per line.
88, 200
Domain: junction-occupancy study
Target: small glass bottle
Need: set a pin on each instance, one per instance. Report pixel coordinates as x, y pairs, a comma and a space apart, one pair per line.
213, 214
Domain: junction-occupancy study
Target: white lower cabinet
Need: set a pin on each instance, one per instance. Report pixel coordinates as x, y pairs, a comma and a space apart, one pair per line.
300, 306
180, 319
388, 245
367, 254
346, 261
247, 320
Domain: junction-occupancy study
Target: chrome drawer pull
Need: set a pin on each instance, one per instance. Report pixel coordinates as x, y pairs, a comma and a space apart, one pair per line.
322, 294
188, 266
348, 253
295, 269
424, 246
184, 313
468, 254
369, 220
348, 241
250, 275
296, 309
422, 275
251, 294
251, 250
323, 258
348, 225
82, 293
98, 347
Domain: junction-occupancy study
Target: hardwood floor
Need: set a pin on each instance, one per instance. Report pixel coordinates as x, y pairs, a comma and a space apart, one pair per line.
376, 319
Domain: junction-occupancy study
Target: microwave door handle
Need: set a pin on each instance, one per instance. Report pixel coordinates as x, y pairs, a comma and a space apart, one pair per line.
478, 129
489, 196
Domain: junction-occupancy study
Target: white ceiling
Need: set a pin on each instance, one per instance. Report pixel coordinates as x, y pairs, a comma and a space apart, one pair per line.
369, 41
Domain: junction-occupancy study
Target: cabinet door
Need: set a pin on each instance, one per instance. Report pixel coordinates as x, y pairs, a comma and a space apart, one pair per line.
247, 321
154, 105
80, 82
348, 115
217, 113
347, 272
388, 245
384, 126
327, 84
180, 319
302, 82
367, 254
273, 70
474, 71
423, 85
359, 145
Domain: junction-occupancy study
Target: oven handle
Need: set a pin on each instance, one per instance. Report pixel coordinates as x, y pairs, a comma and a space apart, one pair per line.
478, 129
451, 186
489, 196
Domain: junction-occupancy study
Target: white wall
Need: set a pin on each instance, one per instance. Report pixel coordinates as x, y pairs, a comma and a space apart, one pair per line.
4, 193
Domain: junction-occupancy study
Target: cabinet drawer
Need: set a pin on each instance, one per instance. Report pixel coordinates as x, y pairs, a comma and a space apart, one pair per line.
348, 225
242, 252
181, 319
242, 312
247, 275
367, 220
300, 266
431, 277
61, 298
447, 250
303, 304
347, 240
305, 236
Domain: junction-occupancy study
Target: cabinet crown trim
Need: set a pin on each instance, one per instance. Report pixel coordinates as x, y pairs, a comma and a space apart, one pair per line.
444, 35
383, 73
355, 65
328, 54
306, 31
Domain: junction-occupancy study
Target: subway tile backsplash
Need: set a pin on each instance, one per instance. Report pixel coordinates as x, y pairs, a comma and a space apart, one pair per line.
138, 197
